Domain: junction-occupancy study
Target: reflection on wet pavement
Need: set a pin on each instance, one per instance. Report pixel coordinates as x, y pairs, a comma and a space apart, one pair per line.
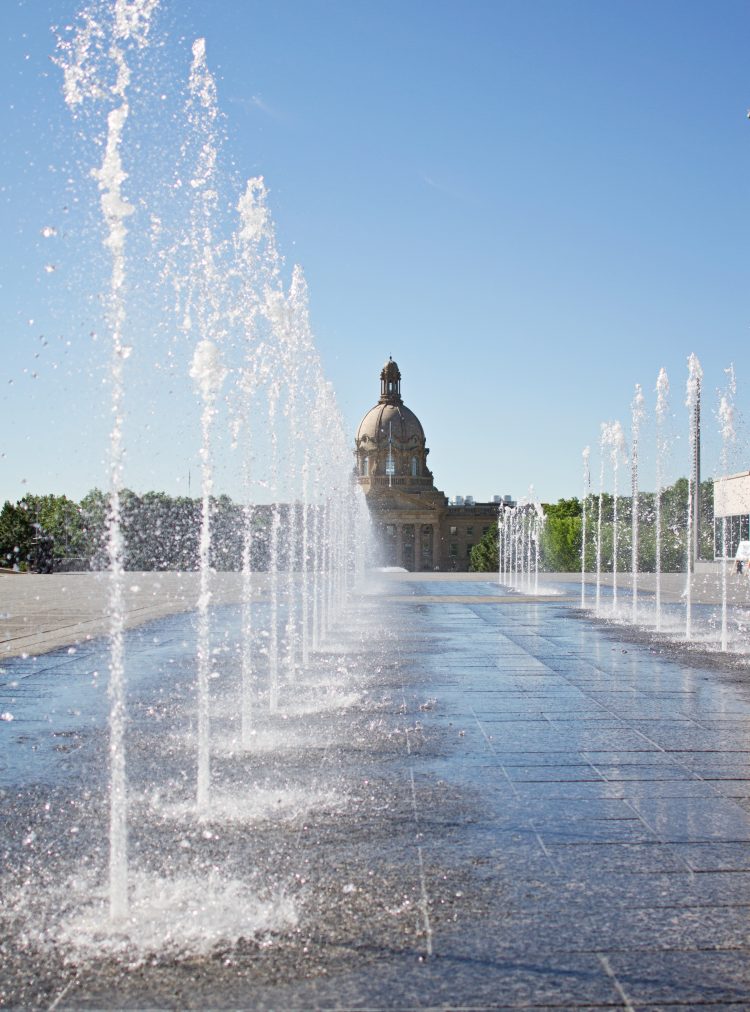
507, 807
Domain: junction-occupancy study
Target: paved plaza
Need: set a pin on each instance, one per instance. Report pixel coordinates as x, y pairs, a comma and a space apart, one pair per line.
505, 805
40, 613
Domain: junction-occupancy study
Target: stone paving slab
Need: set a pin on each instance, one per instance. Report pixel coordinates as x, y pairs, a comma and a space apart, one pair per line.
516, 816
39, 613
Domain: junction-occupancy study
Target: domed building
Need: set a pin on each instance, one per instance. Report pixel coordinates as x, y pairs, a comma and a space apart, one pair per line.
391, 448
415, 526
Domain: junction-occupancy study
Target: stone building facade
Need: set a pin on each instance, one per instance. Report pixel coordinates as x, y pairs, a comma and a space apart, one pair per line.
415, 525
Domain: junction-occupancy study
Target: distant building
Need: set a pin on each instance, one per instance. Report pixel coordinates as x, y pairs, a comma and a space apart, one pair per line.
416, 527
731, 502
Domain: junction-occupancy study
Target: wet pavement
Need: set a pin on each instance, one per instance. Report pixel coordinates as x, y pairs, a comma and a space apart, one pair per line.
39, 613
485, 801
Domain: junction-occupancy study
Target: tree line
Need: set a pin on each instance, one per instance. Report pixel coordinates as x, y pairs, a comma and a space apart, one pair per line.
562, 533
49, 532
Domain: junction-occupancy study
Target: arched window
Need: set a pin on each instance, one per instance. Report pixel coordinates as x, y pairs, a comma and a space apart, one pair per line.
414, 467
366, 467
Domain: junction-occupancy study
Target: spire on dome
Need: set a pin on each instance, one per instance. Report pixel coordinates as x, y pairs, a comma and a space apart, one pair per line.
390, 383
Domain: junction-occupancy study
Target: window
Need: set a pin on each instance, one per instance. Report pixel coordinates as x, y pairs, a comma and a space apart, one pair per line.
484, 530
366, 467
426, 541
470, 529
468, 551
737, 529
414, 467
453, 551
454, 530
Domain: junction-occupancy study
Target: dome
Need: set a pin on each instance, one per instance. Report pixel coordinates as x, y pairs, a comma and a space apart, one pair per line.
390, 445
390, 421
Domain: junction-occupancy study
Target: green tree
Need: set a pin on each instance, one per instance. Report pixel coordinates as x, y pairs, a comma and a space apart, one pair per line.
561, 536
59, 521
94, 513
563, 508
707, 520
159, 532
484, 555
226, 534
16, 535
674, 501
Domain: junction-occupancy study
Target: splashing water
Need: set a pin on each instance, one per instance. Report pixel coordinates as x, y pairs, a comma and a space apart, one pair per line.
87, 66
692, 402
203, 316
586, 455
604, 440
520, 530
637, 415
684, 621
728, 437
242, 340
167, 915
662, 410
617, 453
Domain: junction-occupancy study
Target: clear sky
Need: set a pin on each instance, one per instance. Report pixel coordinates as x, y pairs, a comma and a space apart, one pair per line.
531, 205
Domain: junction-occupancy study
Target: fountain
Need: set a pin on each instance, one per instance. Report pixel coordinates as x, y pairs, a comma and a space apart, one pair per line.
637, 413
617, 443
662, 409
244, 352
519, 544
676, 527
728, 437
692, 402
130, 28
586, 493
604, 440
241, 339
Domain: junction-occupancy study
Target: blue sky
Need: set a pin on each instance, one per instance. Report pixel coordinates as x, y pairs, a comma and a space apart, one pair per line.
531, 206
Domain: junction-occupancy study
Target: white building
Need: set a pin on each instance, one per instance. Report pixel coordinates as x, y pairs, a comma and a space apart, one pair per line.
731, 501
